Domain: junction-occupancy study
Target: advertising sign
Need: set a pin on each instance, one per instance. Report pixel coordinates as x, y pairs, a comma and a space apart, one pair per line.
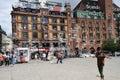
56, 8
51, 3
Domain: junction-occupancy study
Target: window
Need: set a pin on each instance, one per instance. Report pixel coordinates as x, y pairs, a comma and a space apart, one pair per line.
97, 24
54, 27
54, 35
62, 28
83, 42
44, 20
24, 26
91, 41
54, 20
83, 29
97, 29
14, 26
13, 18
90, 24
45, 27
91, 36
35, 35
45, 35
109, 24
63, 35
84, 36
83, 24
34, 26
34, 18
98, 36
25, 35
103, 25
62, 21
24, 18
90, 30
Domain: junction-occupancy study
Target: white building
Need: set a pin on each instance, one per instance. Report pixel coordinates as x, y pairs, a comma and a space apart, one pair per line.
6, 43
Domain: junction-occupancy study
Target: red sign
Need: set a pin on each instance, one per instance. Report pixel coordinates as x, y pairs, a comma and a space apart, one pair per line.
47, 49
56, 8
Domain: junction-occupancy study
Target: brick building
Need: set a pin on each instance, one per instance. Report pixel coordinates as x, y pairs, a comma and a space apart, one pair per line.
50, 23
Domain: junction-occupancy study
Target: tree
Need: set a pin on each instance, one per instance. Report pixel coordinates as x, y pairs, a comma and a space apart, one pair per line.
110, 45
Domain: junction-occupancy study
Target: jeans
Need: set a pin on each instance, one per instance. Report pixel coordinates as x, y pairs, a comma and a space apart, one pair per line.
1, 63
100, 69
59, 59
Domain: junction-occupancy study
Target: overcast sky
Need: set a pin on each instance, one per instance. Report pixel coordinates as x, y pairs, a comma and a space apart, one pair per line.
6, 7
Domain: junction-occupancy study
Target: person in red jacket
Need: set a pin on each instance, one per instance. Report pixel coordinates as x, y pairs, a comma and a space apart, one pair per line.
59, 57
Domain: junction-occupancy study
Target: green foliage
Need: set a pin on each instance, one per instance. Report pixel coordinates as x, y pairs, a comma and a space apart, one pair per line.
110, 45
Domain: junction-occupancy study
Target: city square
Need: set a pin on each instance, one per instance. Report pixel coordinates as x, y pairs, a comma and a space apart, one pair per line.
36, 34
71, 69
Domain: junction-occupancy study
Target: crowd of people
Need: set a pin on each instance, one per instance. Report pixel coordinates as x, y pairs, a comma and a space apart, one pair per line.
7, 58
48, 56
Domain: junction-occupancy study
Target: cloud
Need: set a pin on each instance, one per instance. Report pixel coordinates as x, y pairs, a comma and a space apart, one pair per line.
5, 17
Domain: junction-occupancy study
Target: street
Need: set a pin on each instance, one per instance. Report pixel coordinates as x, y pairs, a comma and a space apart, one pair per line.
71, 69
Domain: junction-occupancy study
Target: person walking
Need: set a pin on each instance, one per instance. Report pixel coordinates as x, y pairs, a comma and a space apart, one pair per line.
10, 57
44, 56
100, 61
6, 59
13, 58
59, 57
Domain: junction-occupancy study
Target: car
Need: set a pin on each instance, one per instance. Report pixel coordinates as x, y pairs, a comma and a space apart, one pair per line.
86, 55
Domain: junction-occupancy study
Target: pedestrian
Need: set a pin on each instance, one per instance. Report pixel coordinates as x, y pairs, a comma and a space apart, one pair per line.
10, 57
59, 57
44, 56
100, 61
66, 53
6, 55
13, 58
46, 52
1, 59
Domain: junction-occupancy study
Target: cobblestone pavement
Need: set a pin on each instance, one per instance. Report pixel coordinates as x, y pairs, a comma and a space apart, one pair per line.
71, 69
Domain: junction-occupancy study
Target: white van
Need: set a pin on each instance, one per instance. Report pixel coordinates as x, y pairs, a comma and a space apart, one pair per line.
24, 52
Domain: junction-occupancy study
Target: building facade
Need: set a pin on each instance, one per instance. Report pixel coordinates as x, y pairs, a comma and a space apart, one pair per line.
48, 23
40, 26
96, 21
5, 41
1, 38
7, 44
